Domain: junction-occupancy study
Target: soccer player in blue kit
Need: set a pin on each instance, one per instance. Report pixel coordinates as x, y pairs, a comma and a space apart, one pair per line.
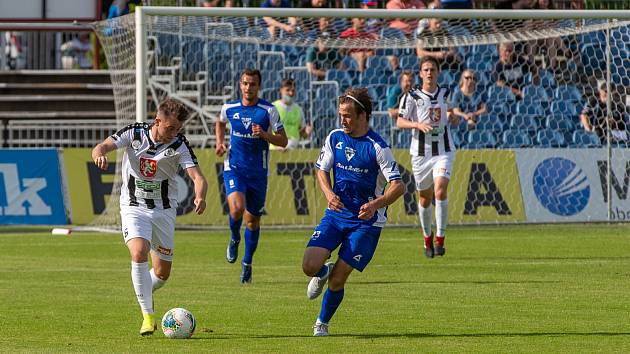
252, 121
362, 165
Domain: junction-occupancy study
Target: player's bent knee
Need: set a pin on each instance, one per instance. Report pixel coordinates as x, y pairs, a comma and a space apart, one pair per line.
252, 224
310, 266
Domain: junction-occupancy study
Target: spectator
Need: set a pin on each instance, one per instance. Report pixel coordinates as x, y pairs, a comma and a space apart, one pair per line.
372, 25
75, 52
408, 25
513, 5
360, 55
320, 58
397, 92
13, 51
314, 4
467, 102
593, 117
118, 8
511, 69
547, 50
274, 25
291, 115
446, 57
324, 28
456, 4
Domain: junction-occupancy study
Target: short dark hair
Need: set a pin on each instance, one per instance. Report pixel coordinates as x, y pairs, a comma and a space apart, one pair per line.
406, 73
427, 59
360, 94
173, 108
287, 83
252, 72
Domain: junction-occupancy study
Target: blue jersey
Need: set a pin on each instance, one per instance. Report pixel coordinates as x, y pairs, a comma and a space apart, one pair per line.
361, 168
249, 154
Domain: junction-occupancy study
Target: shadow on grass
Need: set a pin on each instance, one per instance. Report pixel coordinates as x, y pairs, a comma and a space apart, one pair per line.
457, 282
482, 335
548, 258
417, 335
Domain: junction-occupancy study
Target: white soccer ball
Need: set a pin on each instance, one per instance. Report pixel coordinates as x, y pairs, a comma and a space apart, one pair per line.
178, 323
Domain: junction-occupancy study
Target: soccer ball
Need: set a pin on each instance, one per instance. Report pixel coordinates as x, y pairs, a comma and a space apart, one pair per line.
178, 323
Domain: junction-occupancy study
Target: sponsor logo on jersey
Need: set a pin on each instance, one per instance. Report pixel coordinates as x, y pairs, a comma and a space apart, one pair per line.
169, 152
136, 144
357, 257
561, 186
352, 168
236, 116
148, 167
339, 145
350, 153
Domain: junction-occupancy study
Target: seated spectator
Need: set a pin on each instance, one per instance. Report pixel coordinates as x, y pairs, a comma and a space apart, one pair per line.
405, 25
320, 58
323, 29
118, 8
467, 102
291, 115
447, 58
397, 92
360, 55
511, 69
456, 4
372, 25
593, 117
76, 52
274, 25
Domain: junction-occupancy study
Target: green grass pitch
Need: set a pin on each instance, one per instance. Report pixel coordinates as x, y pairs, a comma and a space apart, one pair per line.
556, 289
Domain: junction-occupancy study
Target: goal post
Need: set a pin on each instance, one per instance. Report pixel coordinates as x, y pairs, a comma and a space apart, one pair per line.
526, 158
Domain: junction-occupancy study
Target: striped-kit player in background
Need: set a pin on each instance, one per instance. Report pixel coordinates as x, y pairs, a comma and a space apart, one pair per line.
254, 124
148, 199
425, 110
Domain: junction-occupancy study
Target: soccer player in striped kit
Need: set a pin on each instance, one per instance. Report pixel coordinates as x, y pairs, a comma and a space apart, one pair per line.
148, 199
424, 109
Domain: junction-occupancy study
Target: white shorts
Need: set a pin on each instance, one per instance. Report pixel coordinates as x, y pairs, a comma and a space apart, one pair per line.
156, 226
427, 168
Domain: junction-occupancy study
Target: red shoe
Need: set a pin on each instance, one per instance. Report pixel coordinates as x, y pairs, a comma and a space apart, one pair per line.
429, 251
439, 246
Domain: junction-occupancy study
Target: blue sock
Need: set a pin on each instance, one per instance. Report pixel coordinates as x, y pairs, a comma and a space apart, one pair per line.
332, 300
251, 242
235, 227
322, 271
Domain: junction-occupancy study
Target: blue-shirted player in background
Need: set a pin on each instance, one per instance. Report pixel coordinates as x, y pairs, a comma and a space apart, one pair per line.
362, 165
245, 170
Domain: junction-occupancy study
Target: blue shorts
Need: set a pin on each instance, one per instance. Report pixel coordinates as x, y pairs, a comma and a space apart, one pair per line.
254, 189
358, 241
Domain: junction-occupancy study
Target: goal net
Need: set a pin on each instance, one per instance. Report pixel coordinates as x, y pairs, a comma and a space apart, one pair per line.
542, 101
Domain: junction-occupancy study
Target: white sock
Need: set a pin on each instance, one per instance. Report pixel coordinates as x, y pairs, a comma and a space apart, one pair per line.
426, 214
156, 282
441, 216
141, 279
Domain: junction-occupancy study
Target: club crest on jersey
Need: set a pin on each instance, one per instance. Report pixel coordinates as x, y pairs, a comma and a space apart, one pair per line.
435, 114
136, 144
338, 146
350, 153
148, 167
246, 122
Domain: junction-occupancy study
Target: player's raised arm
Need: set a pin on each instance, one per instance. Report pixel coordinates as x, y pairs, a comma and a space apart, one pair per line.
201, 188
99, 153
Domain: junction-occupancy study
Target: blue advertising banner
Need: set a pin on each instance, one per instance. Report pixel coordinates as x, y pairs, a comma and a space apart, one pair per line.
30, 188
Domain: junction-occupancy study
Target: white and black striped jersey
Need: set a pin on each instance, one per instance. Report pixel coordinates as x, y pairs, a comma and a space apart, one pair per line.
431, 108
149, 168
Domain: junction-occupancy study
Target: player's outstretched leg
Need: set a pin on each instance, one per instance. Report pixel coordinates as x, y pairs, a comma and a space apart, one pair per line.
330, 303
251, 243
141, 279
316, 285
235, 240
